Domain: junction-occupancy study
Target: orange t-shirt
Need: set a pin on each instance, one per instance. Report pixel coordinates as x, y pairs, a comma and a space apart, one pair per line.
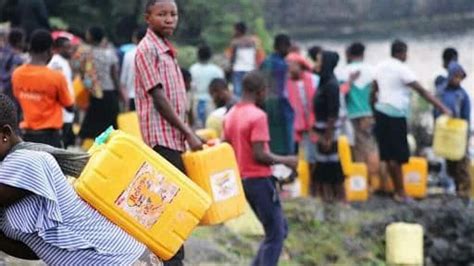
42, 94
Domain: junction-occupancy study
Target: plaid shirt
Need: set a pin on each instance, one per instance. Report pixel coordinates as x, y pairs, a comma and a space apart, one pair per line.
155, 64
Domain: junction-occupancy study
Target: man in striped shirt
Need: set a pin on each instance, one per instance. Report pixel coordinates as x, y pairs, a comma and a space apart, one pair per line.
161, 92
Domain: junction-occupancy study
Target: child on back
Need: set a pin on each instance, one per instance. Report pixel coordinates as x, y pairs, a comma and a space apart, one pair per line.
457, 100
246, 129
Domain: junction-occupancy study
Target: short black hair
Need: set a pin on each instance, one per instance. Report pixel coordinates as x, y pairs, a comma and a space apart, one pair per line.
356, 49
241, 27
282, 40
398, 47
41, 41
151, 3
186, 75
450, 54
60, 42
97, 34
8, 112
254, 82
204, 53
16, 37
314, 51
218, 84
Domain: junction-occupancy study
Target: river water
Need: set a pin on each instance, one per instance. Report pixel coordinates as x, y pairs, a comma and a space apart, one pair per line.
424, 54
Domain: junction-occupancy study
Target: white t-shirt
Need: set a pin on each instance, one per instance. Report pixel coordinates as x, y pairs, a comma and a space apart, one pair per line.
202, 75
245, 59
393, 77
366, 73
127, 77
60, 63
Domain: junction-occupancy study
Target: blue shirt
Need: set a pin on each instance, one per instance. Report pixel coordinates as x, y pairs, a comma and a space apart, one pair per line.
457, 100
276, 70
54, 222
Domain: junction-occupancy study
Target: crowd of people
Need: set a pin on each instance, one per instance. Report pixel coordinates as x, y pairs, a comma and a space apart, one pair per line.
268, 107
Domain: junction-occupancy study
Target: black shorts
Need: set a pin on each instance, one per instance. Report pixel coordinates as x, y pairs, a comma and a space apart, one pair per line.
391, 134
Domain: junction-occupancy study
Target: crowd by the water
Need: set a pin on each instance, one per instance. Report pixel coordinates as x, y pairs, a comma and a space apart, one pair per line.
64, 90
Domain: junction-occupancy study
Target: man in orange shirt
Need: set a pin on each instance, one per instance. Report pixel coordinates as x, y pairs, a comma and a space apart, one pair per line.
42, 94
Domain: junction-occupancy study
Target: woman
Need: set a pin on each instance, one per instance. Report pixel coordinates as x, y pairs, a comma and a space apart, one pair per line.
327, 174
99, 69
41, 216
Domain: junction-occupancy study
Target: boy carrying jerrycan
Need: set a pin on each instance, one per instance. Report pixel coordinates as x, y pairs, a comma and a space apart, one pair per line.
457, 100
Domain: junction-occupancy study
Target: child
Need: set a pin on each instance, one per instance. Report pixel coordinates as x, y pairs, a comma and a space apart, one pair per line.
327, 173
246, 129
457, 100
223, 99
42, 217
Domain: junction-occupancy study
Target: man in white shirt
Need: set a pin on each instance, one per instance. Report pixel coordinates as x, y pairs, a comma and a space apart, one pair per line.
392, 87
203, 72
127, 76
60, 62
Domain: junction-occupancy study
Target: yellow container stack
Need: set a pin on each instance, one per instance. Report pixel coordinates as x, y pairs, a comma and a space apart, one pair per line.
128, 123
356, 184
215, 170
415, 177
450, 138
141, 192
404, 244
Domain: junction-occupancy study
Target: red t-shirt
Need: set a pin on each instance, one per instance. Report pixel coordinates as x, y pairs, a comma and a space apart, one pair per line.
243, 125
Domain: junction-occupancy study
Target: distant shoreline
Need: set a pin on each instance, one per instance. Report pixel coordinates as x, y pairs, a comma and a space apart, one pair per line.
414, 27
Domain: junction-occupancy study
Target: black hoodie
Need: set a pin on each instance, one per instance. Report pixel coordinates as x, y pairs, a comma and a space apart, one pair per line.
326, 100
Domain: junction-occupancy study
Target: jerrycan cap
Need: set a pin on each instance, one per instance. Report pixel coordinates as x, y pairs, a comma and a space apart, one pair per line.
102, 138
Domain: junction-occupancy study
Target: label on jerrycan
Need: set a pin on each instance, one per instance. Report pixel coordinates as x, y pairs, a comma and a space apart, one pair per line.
358, 183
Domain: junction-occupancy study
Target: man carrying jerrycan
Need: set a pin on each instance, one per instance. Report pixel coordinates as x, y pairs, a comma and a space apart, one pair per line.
391, 95
161, 93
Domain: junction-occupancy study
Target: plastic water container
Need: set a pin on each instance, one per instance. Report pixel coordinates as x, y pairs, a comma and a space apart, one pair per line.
128, 123
356, 183
134, 187
415, 177
304, 177
450, 138
404, 244
345, 155
207, 134
215, 170
87, 144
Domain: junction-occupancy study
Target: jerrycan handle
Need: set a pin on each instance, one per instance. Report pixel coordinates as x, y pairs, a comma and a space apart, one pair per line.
102, 138
211, 143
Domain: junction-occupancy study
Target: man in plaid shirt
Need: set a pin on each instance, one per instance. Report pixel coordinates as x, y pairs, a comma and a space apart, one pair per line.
160, 91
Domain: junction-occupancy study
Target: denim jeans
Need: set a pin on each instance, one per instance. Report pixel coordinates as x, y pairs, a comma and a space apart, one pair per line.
237, 78
262, 195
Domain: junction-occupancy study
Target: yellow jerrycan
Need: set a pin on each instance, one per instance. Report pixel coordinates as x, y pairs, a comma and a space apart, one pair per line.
345, 155
404, 244
304, 177
207, 134
450, 138
128, 123
415, 177
215, 170
356, 183
134, 187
